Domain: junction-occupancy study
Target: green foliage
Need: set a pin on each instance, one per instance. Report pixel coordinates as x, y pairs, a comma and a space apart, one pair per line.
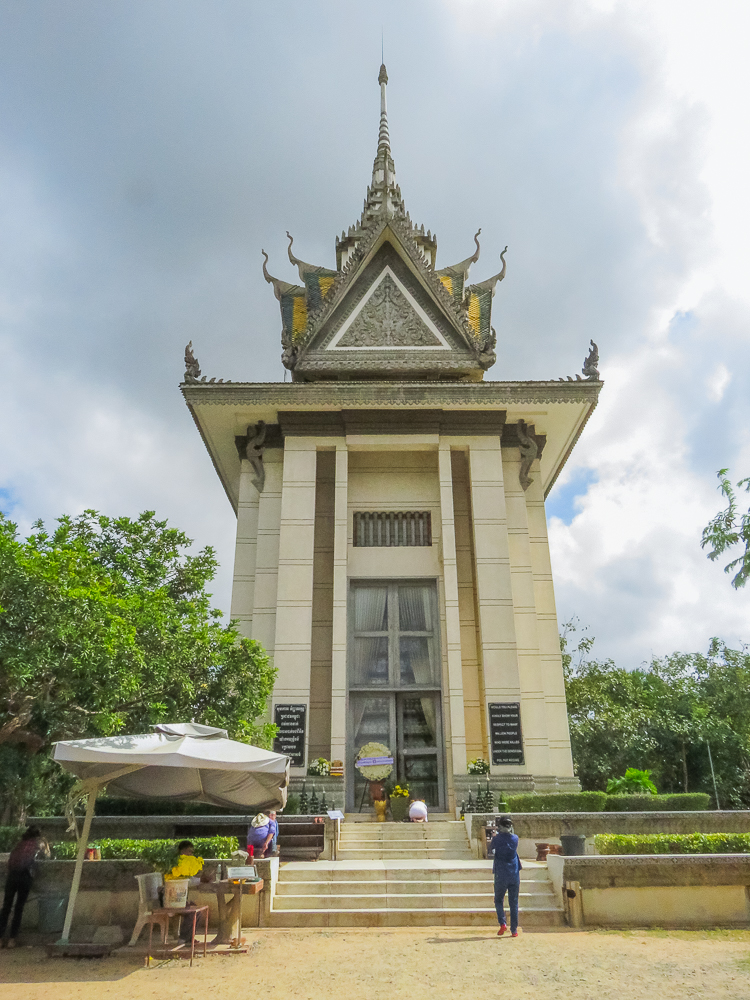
106, 627
673, 843
106, 806
292, 805
162, 854
9, 837
557, 802
661, 717
730, 528
634, 782
657, 803
478, 766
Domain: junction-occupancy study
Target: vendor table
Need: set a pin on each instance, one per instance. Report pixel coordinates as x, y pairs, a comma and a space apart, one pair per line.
179, 911
230, 913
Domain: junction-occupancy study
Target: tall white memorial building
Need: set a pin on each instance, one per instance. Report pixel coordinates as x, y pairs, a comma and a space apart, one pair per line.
392, 552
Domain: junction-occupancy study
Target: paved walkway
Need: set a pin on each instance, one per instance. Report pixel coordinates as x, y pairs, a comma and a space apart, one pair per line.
429, 964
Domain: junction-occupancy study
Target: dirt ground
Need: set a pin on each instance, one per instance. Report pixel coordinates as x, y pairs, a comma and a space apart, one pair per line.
392, 964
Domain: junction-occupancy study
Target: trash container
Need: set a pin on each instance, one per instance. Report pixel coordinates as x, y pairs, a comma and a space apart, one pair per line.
52, 907
573, 844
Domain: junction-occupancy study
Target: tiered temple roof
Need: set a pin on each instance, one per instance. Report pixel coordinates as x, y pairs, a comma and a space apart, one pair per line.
386, 312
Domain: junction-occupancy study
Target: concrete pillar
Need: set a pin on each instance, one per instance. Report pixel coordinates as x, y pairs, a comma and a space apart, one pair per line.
455, 688
339, 658
293, 641
243, 581
494, 589
553, 683
267, 552
533, 708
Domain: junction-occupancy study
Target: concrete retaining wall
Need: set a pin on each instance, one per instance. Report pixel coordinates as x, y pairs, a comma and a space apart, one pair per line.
108, 894
706, 890
548, 827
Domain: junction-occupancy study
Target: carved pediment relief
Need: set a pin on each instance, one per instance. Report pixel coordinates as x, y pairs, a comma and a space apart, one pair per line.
388, 317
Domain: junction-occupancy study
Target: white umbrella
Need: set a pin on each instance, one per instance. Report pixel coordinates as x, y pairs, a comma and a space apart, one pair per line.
185, 762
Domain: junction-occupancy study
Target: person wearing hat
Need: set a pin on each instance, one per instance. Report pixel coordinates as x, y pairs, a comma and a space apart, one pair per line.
506, 869
262, 835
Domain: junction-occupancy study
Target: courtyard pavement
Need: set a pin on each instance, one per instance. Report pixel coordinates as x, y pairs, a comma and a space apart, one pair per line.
424, 964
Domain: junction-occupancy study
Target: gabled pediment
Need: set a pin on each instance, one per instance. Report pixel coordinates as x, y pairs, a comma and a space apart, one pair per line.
390, 313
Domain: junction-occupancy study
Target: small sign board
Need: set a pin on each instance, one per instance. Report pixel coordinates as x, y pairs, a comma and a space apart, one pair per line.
506, 740
242, 871
335, 814
290, 739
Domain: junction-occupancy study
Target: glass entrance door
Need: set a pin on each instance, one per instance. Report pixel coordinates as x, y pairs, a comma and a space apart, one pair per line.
394, 687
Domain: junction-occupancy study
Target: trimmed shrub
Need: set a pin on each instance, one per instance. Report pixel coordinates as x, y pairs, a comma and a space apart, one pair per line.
657, 803
673, 843
557, 802
162, 854
9, 837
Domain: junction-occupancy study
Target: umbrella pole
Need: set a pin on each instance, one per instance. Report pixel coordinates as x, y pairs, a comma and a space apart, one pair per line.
82, 844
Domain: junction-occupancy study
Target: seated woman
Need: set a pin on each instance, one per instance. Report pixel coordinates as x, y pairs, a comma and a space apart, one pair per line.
418, 812
262, 835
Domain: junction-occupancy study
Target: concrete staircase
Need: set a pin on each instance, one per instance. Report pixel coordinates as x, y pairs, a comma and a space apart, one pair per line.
400, 875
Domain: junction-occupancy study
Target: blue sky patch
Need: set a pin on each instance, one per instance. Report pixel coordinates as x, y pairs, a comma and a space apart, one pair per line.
7, 501
563, 500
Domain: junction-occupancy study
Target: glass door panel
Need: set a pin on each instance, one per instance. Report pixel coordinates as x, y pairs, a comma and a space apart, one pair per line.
421, 773
394, 686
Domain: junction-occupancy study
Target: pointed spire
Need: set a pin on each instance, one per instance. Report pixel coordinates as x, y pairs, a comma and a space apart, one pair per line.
384, 139
383, 194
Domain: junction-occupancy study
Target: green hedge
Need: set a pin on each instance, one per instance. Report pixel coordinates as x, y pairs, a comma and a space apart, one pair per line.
559, 802
162, 854
673, 843
9, 837
657, 803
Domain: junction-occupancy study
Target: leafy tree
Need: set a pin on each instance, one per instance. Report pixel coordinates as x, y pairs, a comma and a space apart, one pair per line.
662, 717
728, 529
105, 627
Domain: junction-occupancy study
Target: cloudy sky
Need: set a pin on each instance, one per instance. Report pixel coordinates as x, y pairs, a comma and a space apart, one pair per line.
150, 148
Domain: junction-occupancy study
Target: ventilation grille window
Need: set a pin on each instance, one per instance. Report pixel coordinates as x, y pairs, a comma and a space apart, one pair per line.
390, 527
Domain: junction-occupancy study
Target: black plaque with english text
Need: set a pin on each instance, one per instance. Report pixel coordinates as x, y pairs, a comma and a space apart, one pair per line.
506, 741
290, 738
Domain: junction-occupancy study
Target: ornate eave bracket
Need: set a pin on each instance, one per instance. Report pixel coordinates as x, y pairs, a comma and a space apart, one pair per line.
529, 450
251, 446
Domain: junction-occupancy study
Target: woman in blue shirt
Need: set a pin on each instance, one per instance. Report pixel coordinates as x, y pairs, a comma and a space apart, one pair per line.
506, 869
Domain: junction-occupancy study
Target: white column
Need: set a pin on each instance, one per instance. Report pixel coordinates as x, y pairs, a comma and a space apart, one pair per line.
339, 651
267, 552
455, 692
293, 643
524, 613
494, 589
243, 581
553, 683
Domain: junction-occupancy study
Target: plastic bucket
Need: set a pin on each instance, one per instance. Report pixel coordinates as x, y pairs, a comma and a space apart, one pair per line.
52, 907
573, 845
176, 892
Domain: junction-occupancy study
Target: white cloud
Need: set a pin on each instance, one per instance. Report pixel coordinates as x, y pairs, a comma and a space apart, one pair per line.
150, 153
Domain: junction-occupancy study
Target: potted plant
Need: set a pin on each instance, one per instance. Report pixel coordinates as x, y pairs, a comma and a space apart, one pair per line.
320, 767
478, 766
399, 797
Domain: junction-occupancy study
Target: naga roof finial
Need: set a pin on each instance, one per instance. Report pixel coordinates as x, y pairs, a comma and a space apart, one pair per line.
475, 257
279, 286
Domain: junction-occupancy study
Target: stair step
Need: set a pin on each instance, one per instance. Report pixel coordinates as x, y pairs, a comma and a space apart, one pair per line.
486, 917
